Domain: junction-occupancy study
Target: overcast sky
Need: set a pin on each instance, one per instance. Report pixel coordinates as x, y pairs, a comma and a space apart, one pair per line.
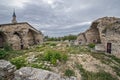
58, 17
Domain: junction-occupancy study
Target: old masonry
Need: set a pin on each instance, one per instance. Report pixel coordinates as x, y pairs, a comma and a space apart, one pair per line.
105, 33
19, 35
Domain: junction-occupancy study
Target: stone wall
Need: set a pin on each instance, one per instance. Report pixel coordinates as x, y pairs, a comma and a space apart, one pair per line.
92, 36
81, 39
113, 37
104, 30
21, 35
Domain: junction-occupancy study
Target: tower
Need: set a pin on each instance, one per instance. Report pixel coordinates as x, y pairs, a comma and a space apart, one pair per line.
14, 18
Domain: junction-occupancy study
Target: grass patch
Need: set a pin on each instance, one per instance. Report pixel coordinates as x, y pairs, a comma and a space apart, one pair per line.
117, 70
19, 62
7, 47
51, 43
106, 59
3, 54
77, 49
53, 56
91, 45
5, 51
102, 57
86, 75
14, 54
114, 58
69, 73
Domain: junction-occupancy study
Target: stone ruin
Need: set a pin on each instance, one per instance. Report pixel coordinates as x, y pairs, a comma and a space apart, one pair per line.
19, 35
105, 33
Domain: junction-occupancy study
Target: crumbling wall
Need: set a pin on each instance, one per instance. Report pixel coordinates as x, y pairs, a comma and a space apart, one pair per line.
21, 36
81, 39
105, 30
113, 37
92, 36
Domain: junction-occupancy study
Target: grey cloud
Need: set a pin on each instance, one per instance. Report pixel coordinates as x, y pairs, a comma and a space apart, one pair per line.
62, 17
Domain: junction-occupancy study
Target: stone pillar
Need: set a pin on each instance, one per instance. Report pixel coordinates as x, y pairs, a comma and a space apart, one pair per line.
6, 70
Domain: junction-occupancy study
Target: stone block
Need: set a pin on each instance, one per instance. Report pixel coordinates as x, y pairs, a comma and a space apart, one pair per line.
6, 70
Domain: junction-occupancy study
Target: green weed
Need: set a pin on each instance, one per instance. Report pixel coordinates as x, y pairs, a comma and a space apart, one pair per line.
69, 72
53, 56
19, 62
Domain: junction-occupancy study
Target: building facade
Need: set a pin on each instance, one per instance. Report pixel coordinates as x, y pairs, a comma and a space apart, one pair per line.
19, 35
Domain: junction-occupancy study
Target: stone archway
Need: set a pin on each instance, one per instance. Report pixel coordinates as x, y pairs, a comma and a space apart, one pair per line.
2, 39
18, 42
95, 32
31, 37
97, 36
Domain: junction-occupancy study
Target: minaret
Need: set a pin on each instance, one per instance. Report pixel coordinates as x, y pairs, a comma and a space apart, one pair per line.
14, 18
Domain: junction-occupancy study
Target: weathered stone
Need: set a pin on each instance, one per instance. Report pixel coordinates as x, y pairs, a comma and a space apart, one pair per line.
19, 35
100, 48
102, 31
81, 39
28, 73
71, 78
6, 70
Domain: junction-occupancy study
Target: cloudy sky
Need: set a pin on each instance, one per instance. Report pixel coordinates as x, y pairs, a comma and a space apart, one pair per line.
58, 17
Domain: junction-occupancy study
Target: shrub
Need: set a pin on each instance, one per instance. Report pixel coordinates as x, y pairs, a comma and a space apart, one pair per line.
91, 45
64, 57
47, 56
7, 47
19, 62
53, 56
53, 60
52, 44
69, 72
3, 54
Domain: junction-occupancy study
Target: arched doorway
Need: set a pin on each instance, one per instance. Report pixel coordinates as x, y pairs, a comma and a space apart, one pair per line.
95, 32
31, 37
2, 40
18, 42
109, 47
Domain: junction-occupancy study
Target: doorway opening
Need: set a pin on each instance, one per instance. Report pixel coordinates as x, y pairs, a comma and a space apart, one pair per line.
20, 38
109, 46
2, 40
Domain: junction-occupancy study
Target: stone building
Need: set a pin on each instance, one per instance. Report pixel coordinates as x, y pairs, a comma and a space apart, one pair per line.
104, 31
81, 39
19, 35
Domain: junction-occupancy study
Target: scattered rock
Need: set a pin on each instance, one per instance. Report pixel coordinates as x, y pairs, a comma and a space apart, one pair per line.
6, 70
28, 73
